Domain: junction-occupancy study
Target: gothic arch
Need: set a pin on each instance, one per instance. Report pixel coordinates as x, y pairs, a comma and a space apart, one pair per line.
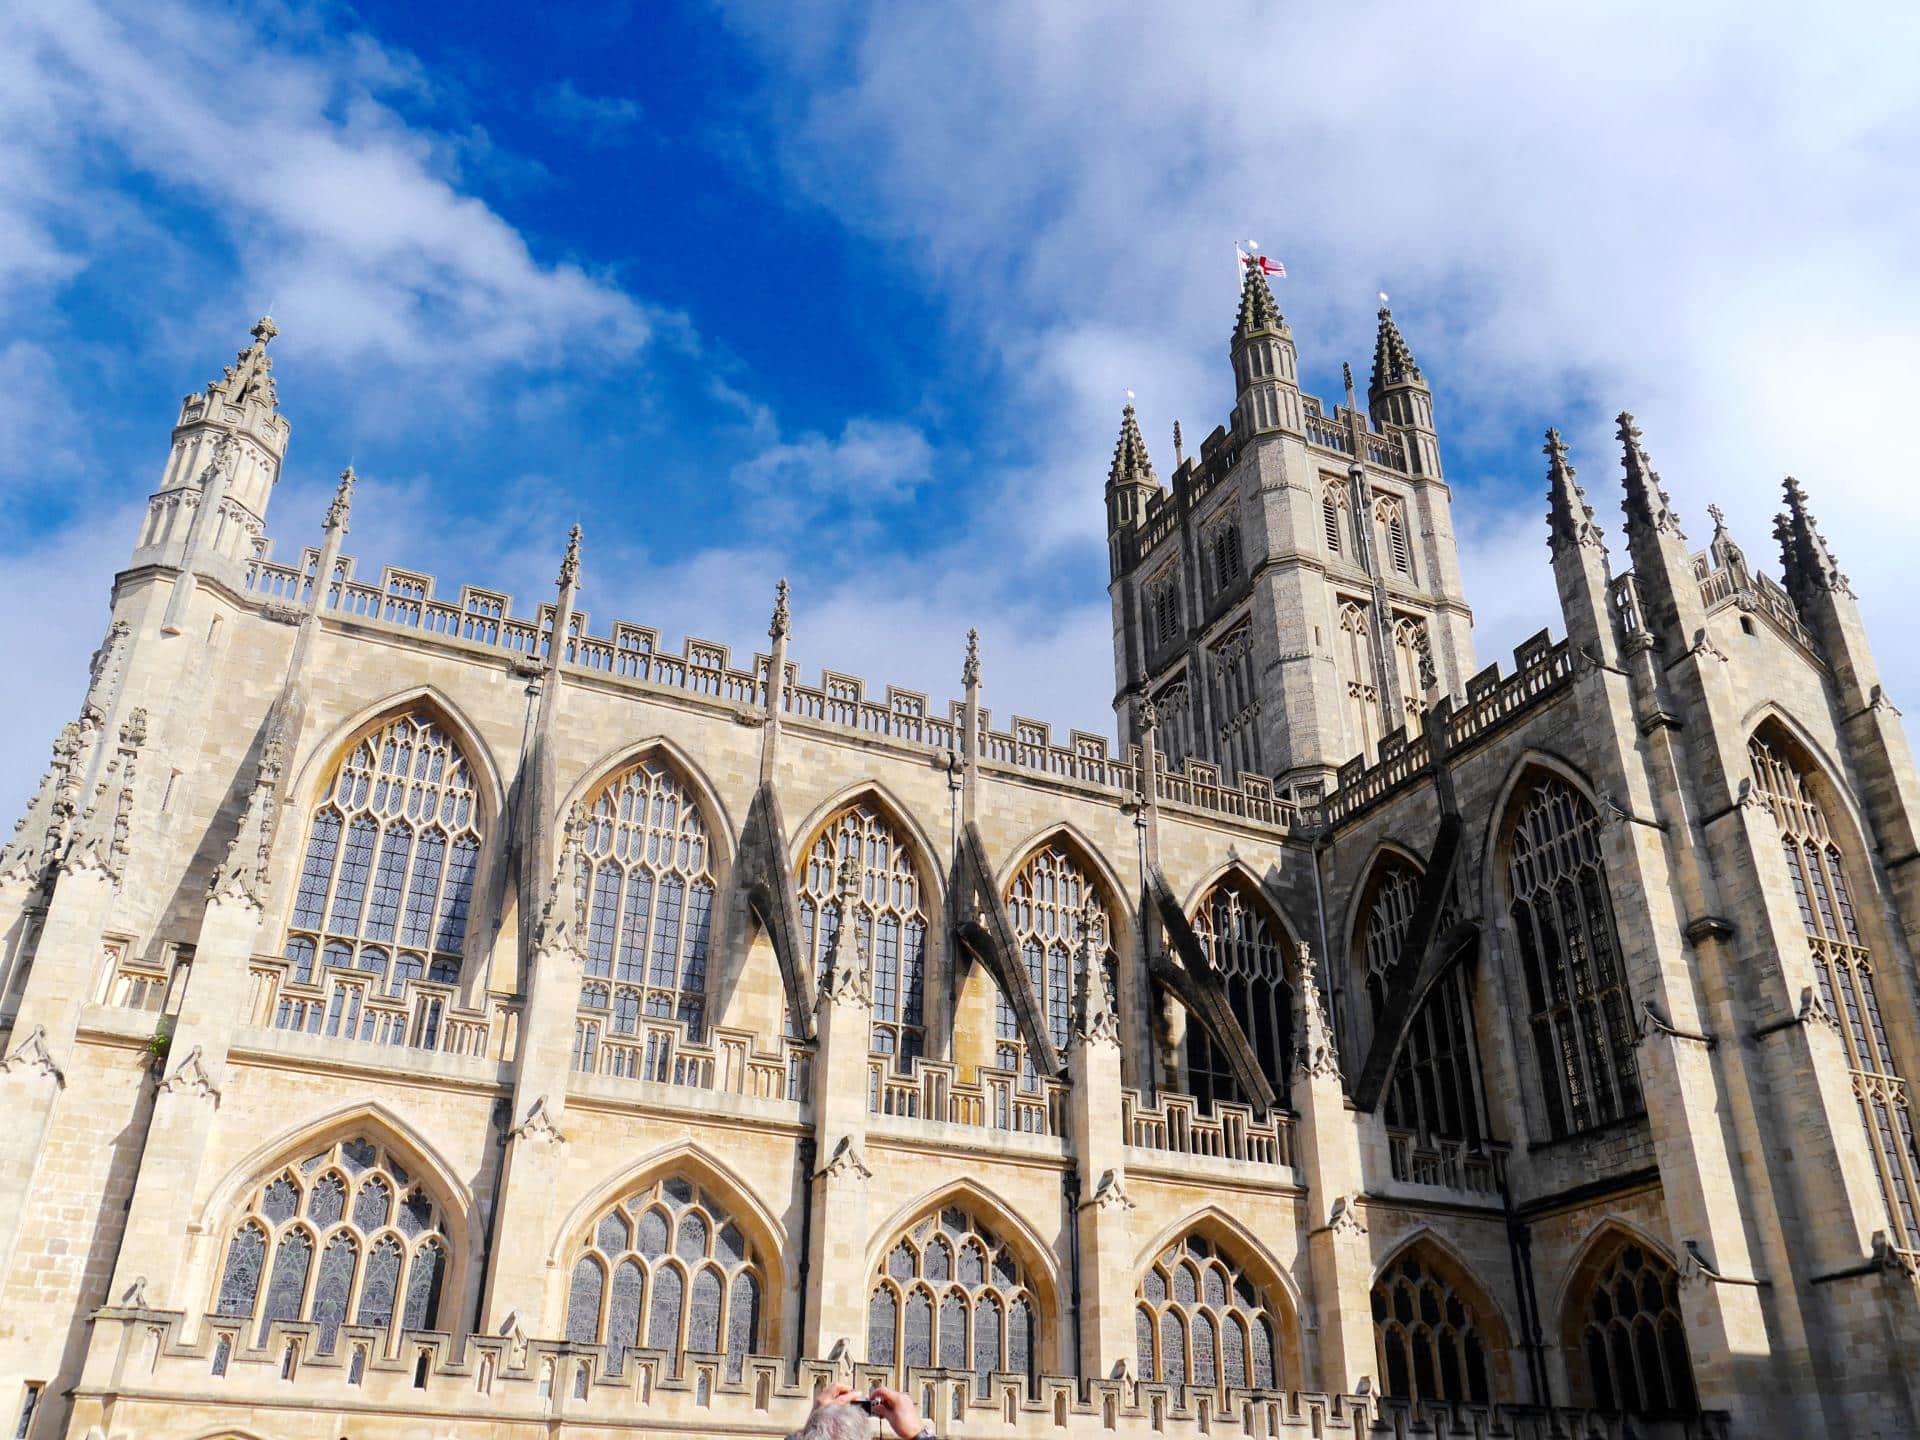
685, 1159
1236, 866
897, 813
1833, 785
1424, 1237
713, 810
1033, 1251
1384, 849
1492, 845
1448, 1341
1227, 1231
334, 745
1605, 1244
1066, 833
1592, 1254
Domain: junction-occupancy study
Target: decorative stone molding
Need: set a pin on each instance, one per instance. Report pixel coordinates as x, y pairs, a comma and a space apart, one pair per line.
1094, 1022
846, 1161
1703, 646
538, 1125
32, 1055
1343, 1220
190, 1078
1653, 1022
1109, 1194
135, 1295
843, 978
1315, 1054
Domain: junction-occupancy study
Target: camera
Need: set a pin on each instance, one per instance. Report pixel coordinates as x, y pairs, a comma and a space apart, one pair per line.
862, 1402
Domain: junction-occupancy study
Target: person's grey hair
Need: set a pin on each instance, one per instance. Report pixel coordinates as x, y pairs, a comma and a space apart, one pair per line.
835, 1422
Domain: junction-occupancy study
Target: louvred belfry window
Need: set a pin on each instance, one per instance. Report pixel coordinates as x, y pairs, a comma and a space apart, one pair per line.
890, 919
951, 1293
667, 1269
649, 903
345, 1237
1562, 913
388, 873
1200, 1320
1843, 973
1242, 938
1044, 902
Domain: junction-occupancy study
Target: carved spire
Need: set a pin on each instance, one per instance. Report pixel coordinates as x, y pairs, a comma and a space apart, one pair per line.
1569, 516
570, 562
1314, 1052
341, 510
1093, 1019
782, 619
843, 976
1806, 561
1257, 308
1648, 504
1393, 362
250, 378
970, 667
1130, 463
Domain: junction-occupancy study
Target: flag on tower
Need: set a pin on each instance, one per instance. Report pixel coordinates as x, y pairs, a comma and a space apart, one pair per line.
1265, 264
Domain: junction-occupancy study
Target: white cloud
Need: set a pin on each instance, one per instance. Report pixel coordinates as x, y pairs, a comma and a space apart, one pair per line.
600, 120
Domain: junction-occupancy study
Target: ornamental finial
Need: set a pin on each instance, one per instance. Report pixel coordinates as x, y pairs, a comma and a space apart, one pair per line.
342, 505
782, 620
970, 671
264, 330
570, 562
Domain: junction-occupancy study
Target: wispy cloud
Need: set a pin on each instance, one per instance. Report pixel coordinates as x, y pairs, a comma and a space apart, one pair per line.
600, 120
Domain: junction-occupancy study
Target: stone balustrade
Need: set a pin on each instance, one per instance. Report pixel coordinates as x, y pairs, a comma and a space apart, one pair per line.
1454, 1164
996, 1099
1180, 1125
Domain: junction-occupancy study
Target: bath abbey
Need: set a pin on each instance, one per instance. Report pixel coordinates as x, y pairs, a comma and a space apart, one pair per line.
432, 1015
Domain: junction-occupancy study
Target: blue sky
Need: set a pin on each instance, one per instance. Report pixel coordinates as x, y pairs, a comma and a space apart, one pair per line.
852, 293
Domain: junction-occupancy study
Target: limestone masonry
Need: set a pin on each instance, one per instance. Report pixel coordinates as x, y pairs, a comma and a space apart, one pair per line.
423, 1021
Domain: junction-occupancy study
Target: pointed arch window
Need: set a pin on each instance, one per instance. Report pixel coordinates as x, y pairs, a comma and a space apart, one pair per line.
1044, 902
1413, 664
1200, 1320
1428, 1335
1242, 937
1632, 1337
650, 894
346, 1236
1843, 972
1163, 607
890, 917
387, 876
1353, 656
1333, 506
667, 1268
950, 1292
1390, 516
1224, 546
1562, 913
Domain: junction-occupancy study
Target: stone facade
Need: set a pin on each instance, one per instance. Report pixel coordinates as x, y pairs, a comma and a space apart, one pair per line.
419, 1019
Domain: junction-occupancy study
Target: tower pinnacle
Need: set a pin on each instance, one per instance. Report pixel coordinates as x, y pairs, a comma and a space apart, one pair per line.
1806, 562
1257, 308
1569, 516
1393, 362
1647, 502
1131, 465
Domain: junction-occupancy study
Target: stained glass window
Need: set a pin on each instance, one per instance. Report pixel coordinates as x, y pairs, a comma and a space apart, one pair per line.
1634, 1340
1427, 1334
1562, 912
1242, 937
700, 1294
1199, 1319
891, 921
393, 840
343, 1198
1045, 901
919, 1309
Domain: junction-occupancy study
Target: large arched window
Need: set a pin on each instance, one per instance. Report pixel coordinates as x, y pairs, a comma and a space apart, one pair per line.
667, 1269
1045, 902
345, 1237
389, 867
891, 921
953, 1294
1200, 1320
1433, 1089
1843, 971
1428, 1333
1629, 1331
1413, 665
1353, 655
1243, 938
1580, 1008
650, 901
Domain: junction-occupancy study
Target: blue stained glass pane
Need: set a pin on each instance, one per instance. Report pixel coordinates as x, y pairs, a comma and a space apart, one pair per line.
915, 971
429, 859
279, 1200
423, 1287
1021, 1358
331, 1289
389, 883
372, 1204
666, 933
623, 1313
663, 1321
240, 1281
328, 1201
986, 1337
919, 1347
381, 1285
691, 1243
693, 964
729, 1246
601, 915
300, 958
1262, 1356
703, 1312
611, 1234
459, 893
583, 1302
1203, 1372
743, 1316
1233, 1352
953, 1333
356, 862
1143, 1345
653, 1229
317, 869
289, 1283
633, 926
882, 1313
1173, 1349
1058, 991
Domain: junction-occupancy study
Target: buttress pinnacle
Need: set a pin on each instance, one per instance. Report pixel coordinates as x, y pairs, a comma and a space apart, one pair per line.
1806, 561
1131, 466
1647, 504
1569, 516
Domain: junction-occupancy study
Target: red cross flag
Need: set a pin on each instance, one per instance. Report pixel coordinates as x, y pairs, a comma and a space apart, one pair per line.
1265, 264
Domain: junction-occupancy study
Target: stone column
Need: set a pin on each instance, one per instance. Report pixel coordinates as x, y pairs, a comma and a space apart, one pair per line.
1328, 1151
1100, 1150
843, 1018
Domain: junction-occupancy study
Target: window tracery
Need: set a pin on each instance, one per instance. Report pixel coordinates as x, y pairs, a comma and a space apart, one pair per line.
1354, 655
1390, 516
1562, 913
1634, 1339
345, 1236
1427, 1335
1242, 938
1163, 610
1200, 1320
667, 1269
649, 903
890, 917
1174, 709
1413, 664
1333, 506
1224, 545
951, 1293
386, 879
1045, 903
1237, 703
1843, 972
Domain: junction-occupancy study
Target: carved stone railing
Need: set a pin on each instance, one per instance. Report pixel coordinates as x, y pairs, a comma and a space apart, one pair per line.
996, 1099
728, 1061
1480, 1168
356, 1005
1227, 1132
1198, 784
